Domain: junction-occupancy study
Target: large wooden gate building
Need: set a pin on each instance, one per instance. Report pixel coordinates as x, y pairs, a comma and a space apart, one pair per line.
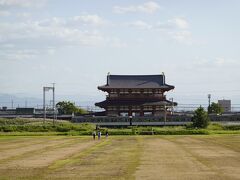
135, 95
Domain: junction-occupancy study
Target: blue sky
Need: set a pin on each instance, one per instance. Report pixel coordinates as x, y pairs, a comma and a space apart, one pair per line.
76, 43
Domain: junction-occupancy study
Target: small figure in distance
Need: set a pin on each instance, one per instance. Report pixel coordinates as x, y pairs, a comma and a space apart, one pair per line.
94, 135
130, 120
106, 134
99, 135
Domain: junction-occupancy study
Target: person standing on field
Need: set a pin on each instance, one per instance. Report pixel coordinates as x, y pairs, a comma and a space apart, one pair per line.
99, 135
94, 134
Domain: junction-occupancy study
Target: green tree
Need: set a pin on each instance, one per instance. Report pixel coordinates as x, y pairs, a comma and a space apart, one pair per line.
200, 118
67, 107
215, 108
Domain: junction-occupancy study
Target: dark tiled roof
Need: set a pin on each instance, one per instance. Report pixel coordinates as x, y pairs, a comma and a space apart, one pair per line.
136, 81
133, 103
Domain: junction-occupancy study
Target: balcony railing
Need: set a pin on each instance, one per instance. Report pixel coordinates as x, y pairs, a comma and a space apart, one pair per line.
135, 96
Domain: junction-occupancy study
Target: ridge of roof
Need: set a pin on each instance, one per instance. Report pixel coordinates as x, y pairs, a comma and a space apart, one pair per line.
136, 81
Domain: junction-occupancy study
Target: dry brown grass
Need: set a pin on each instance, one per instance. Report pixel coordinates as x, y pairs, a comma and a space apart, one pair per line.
123, 157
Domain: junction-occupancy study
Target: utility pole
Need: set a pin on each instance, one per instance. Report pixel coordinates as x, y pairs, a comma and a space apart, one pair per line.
44, 106
209, 100
44, 101
54, 111
12, 104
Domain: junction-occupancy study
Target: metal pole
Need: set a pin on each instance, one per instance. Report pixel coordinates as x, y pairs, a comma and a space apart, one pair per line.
44, 107
209, 100
53, 103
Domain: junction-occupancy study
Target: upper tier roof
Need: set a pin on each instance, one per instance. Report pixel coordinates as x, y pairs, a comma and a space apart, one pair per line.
136, 81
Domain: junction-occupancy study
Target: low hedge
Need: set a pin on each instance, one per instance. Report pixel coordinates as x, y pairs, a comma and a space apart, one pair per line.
231, 127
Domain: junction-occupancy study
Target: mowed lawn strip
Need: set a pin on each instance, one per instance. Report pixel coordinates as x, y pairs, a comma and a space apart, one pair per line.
14, 142
190, 157
124, 157
35, 164
219, 153
163, 159
49, 155
115, 158
31, 149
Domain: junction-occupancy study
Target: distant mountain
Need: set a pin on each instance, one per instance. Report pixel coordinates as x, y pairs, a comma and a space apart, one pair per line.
23, 100
14, 101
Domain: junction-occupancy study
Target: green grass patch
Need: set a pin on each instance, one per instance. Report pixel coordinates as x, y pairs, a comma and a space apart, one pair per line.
77, 158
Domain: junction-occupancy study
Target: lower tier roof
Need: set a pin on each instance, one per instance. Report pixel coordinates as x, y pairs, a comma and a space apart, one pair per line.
106, 103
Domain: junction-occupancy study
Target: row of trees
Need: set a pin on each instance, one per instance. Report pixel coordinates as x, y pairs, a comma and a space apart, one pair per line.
67, 107
201, 118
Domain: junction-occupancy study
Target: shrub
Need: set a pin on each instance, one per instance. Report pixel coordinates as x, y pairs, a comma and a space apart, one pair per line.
215, 126
200, 118
231, 127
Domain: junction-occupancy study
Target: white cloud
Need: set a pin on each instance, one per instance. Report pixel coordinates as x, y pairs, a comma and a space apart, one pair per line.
220, 61
175, 23
117, 43
148, 7
22, 3
180, 22
182, 36
19, 54
176, 28
5, 13
51, 51
7, 46
82, 20
212, 63
140, 24
89, 20
24, 15
51, 34
64, 30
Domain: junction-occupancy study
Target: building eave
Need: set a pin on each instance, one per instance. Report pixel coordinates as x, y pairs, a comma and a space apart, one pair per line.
106, 103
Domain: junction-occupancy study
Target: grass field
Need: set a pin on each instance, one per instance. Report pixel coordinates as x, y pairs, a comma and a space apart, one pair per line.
120, 157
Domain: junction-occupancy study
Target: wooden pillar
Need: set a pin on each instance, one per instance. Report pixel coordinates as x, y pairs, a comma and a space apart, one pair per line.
118, 110
153, 110
141, 111
165, 113
130, 111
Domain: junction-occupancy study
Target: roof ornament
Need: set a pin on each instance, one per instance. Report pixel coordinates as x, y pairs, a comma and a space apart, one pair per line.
163, 78
108, 78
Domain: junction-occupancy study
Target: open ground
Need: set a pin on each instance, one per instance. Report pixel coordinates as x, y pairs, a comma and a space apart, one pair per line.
120, 157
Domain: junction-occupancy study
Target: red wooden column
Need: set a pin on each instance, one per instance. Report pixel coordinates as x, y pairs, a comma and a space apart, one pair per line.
141, 111
130, 111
